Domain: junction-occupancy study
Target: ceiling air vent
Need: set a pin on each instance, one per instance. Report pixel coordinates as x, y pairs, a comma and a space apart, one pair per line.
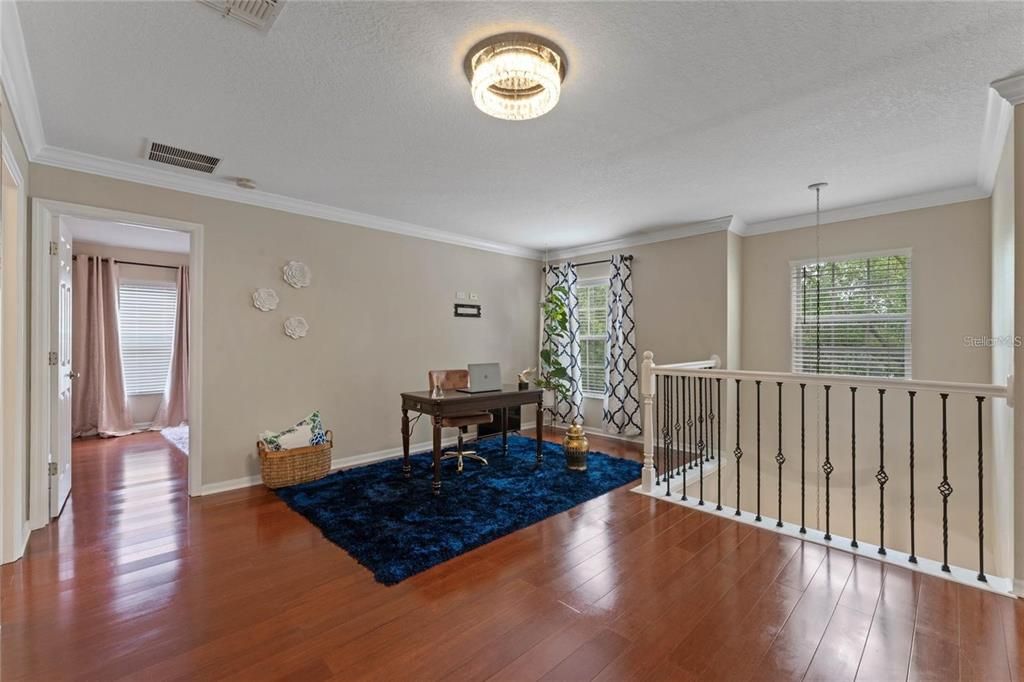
259, 14
174, 156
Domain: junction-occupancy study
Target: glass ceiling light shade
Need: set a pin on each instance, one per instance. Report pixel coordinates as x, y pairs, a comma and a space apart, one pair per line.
515, 77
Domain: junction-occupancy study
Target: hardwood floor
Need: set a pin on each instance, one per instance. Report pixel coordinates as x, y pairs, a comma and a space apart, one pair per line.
136, 581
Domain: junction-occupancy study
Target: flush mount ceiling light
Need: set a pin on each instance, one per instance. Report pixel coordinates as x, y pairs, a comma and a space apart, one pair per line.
515, 76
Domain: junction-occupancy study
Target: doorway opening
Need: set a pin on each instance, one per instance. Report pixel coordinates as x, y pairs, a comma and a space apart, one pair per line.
117, 360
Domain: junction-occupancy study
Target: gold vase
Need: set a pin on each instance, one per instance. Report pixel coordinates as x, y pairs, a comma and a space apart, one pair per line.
576, 447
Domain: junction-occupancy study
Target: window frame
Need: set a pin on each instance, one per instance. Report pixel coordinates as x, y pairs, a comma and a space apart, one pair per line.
135, 281
592, 282
794, 313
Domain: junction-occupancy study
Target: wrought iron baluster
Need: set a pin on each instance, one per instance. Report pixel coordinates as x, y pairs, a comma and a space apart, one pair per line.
690, 423
780, 458
881, 476
853, 461
981, 495
827, 466
686, 454
667, 433
680, 453
945, 489
658, 398
700, 438
913, 546
738, 451
757, 385
803, 456
718, 439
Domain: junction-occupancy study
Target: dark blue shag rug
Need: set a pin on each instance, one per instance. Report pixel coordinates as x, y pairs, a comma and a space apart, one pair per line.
398, 528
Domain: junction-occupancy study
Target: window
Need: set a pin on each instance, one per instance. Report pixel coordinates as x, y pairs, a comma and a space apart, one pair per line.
593, 307
146, 313
864, 318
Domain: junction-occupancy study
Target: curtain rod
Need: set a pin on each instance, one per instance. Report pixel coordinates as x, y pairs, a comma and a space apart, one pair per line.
131, 262
598, 262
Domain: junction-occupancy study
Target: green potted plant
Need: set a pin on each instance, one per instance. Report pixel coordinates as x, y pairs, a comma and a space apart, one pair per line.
553, 375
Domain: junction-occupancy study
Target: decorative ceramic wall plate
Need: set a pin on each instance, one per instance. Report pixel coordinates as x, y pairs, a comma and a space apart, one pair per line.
265, 299
296, 327
297, 274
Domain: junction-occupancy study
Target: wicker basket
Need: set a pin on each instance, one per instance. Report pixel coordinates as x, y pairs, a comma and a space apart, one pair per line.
282, 468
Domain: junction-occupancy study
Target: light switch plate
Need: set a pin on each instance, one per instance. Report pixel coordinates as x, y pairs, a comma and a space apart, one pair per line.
473, 296
460, 295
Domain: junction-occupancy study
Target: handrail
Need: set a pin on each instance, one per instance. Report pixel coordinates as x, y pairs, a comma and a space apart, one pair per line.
684, 369
714, 362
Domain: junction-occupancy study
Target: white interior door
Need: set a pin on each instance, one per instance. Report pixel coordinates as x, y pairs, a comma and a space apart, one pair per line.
62, 374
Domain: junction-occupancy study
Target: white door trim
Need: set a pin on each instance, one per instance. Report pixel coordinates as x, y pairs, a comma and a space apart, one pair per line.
44, 213
13, 525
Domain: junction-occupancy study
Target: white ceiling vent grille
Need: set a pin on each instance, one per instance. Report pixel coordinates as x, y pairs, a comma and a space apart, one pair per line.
259, 14
175, 156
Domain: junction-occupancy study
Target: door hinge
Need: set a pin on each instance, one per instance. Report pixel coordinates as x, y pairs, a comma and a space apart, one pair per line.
53, 248
53, 358
53, 468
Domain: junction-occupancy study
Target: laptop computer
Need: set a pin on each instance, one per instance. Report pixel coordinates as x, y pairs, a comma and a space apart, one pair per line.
483, 377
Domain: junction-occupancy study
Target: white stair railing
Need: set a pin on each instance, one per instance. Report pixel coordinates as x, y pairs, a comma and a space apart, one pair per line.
688, 419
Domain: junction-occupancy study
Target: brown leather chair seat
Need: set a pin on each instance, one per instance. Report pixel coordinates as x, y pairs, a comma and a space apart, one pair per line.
453, 380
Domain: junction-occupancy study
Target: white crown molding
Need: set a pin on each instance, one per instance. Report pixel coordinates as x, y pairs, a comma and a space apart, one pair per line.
220, 188
1011, 88
998, 114
666, 234
908, 203
16, 78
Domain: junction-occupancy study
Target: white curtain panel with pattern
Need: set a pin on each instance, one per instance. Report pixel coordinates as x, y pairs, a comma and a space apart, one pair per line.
622, 382
568, 350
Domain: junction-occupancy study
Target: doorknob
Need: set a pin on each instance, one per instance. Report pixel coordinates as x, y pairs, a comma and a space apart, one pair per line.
73, 375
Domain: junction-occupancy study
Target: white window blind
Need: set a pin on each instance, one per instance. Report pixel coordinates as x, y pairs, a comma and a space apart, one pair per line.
593, 310
146, 313
864, 325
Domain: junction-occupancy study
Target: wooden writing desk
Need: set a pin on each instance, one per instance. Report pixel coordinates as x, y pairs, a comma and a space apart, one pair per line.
454, 403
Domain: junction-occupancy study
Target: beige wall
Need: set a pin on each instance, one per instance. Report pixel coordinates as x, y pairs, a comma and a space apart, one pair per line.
951, 283
142, 407
379, 309
680, 294
14, 340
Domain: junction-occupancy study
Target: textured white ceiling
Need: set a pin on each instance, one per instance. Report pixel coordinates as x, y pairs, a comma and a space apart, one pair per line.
670, 113
126, 236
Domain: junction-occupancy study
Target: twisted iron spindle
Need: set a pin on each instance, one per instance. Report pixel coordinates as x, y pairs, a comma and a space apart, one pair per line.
718, 402
945, 489
689, 420
780, 458
827, 466
803, 454
738, 451
757, 384
913, 547
853, 461
981, 496
881, 476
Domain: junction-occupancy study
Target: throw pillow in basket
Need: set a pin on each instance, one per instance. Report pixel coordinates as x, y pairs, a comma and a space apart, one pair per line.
309, 431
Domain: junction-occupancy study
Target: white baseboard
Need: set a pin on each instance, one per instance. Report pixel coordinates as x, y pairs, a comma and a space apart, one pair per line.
603, 434
338, 463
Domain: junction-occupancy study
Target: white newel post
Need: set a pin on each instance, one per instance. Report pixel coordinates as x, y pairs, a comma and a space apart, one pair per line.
647, 388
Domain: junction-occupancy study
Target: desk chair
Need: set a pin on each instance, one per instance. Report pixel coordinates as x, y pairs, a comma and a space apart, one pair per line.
452, 380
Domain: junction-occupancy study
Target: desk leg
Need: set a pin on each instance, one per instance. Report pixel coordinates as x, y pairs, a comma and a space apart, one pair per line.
540, 430
437, 455
406, 469
504, 430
